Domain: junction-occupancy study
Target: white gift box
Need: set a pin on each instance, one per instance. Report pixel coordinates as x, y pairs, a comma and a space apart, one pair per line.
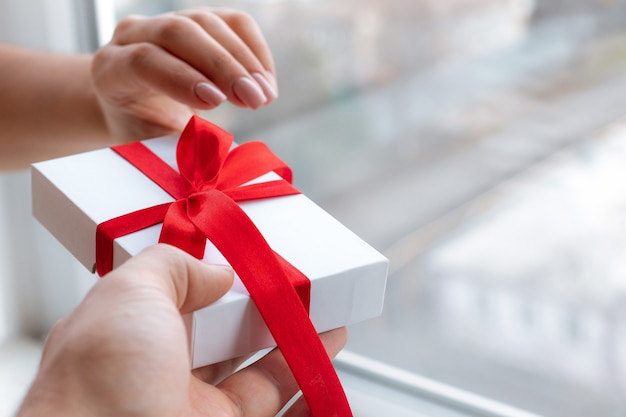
72, 195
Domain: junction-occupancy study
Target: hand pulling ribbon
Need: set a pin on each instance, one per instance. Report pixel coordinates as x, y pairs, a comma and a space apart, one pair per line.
210, 182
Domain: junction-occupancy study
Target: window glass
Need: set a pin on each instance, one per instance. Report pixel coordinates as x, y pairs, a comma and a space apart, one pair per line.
463, 139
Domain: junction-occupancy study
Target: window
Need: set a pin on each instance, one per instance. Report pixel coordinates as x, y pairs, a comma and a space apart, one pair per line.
464, 140
480, 145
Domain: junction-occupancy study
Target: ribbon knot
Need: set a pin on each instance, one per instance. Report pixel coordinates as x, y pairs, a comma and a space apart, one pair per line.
211, 179
201, 156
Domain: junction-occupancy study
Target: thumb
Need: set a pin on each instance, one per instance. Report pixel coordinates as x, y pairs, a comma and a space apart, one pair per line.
188, 282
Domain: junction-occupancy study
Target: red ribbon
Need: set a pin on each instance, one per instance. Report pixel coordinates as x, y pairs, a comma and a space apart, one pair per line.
210, 182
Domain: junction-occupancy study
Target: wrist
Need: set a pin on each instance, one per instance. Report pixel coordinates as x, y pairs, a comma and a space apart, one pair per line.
46, 398
55, 390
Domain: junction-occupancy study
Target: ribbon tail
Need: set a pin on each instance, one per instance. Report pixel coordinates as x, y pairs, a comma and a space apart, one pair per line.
238, 239
178, 231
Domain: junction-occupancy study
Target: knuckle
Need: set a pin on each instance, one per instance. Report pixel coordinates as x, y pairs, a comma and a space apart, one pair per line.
222, 62
124, 26
139, 53
172, 27
100, 63
205, 16
171, 256
159, 251
239, 19
100, 57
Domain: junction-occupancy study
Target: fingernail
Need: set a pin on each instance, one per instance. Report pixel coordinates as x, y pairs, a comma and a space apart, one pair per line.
249, 92
225, 267
268, 89
220, 267
209, 93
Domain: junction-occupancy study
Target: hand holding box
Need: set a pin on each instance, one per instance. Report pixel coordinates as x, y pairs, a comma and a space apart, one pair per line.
73, 196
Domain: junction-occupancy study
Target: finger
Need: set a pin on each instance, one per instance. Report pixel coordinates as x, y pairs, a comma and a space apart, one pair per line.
264, 387
188, 282
250, 32
189, 42
239, 33
298, 409
213, 374
120, 70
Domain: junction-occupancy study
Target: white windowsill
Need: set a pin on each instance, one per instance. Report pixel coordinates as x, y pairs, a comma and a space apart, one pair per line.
19, 360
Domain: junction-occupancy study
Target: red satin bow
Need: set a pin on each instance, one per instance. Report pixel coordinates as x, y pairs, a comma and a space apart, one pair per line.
211, 179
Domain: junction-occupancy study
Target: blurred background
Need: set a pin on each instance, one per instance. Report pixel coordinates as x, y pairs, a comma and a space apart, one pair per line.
479, 144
